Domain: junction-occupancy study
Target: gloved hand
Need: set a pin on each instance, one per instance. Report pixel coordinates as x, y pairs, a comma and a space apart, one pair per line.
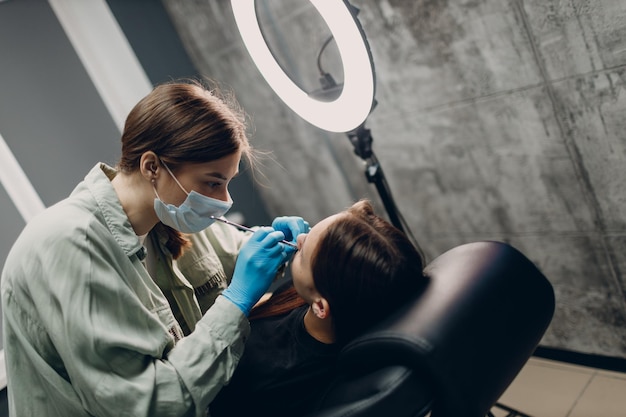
291, 226
256, 266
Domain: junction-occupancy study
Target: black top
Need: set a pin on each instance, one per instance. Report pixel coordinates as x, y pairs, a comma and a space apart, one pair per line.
282, 372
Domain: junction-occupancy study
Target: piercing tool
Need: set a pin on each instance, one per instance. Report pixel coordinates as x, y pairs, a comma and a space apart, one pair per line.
247, 229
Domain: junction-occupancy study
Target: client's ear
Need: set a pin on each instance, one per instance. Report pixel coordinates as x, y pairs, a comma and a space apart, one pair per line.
321, 308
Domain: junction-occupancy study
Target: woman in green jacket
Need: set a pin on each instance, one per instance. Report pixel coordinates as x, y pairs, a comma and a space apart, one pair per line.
112, 298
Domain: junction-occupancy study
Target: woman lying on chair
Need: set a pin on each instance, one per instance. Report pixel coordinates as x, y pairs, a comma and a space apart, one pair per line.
351, 270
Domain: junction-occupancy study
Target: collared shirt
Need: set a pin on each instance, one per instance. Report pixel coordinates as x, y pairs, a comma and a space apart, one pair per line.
87, 331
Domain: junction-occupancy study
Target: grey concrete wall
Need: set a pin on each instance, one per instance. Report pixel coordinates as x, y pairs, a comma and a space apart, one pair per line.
495, 120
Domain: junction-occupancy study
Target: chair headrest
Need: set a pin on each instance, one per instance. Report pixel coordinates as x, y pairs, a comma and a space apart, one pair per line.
481, 317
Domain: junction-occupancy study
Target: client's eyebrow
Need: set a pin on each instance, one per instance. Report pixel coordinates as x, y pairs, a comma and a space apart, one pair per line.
302, 252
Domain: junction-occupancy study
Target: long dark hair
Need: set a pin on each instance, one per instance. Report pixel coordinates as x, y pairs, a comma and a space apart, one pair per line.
184, 121
365, 268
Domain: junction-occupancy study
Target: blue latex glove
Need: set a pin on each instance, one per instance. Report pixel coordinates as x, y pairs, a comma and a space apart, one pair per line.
256, 267
291, 226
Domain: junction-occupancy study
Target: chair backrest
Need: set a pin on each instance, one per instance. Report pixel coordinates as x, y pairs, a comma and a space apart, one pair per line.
455, 349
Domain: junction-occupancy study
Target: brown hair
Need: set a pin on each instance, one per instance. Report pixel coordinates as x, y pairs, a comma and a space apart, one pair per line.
184, 121
364, 267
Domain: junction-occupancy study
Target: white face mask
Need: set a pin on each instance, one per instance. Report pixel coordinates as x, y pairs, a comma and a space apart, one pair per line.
193, 215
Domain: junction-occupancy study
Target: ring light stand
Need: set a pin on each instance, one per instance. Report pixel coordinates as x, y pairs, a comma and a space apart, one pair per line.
361, 139
346, 113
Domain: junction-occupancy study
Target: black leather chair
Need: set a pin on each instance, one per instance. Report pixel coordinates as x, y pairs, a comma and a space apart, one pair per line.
456, 348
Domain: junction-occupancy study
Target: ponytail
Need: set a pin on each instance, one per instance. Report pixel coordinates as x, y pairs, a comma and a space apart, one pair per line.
176, 243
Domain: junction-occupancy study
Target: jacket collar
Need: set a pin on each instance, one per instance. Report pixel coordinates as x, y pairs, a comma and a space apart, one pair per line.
98, 180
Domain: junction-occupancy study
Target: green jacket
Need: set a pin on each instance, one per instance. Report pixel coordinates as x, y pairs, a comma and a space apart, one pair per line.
87, 331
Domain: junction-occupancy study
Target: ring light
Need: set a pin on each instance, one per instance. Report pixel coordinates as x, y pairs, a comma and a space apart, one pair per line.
352, 107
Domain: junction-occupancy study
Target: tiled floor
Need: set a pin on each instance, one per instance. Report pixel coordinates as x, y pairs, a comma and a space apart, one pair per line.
546, 388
